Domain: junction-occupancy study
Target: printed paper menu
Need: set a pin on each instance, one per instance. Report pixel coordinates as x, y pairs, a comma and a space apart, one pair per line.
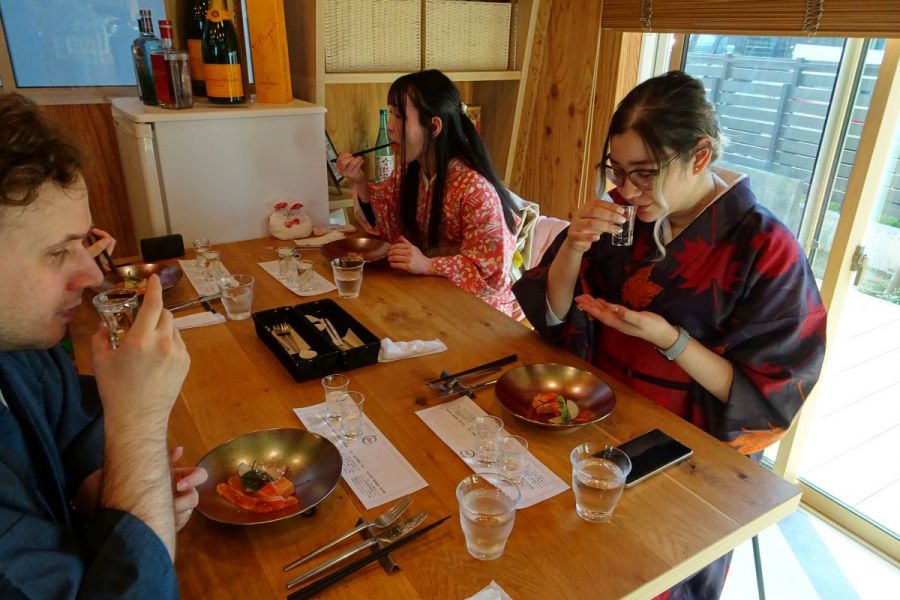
373, 468
195, 275
317, 285
451, 422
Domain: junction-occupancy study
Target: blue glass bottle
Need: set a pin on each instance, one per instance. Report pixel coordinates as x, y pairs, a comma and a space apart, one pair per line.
140, 53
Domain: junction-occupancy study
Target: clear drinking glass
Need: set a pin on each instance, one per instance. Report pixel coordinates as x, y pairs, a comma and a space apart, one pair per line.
351, 409
624, 237
305, 273
487, 439
487, 512
513, 450
287, 261
237, 295
348, 274
211, 264
118, 308
598, 479
335, 387
201, 245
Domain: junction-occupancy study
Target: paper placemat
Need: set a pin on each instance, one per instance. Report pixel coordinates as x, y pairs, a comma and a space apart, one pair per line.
451, 422
373, 468
318, 285
204, 286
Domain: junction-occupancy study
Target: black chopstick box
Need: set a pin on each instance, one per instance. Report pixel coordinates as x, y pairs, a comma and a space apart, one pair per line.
329, 357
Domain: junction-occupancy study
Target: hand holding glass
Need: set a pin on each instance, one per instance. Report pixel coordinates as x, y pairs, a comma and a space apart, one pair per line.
118, 309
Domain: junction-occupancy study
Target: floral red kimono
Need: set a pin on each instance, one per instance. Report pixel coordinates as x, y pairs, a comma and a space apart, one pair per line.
738, 282
476, 247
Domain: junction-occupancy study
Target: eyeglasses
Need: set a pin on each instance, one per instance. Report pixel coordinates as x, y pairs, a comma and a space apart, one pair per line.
641, 178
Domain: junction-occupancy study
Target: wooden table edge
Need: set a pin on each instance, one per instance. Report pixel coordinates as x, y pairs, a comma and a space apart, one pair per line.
662, 583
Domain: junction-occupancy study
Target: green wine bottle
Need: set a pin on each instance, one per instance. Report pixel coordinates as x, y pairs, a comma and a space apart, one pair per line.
221, 57
384, 157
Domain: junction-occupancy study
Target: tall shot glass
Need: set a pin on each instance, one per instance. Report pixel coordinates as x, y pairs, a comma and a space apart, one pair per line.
118, 308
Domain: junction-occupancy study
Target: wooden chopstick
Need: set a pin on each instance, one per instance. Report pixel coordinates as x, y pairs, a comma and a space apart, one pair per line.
321, 584
367, 150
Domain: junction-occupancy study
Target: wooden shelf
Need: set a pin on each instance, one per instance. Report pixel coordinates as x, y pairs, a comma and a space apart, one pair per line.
389, 77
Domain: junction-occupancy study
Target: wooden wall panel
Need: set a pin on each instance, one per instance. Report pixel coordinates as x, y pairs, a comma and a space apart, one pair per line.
91, 128
553, 150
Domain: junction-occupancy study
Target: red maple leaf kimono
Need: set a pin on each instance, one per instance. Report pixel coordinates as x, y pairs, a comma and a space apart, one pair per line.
738, 282
476, 247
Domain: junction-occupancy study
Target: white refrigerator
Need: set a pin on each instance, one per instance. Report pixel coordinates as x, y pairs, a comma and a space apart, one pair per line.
217, 172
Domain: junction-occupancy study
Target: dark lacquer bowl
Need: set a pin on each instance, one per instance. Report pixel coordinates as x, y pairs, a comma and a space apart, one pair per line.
517, 388
369, 249
314, 463
135, 276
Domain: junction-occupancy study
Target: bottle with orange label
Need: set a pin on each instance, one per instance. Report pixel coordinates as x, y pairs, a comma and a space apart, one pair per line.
195, 21
221, 56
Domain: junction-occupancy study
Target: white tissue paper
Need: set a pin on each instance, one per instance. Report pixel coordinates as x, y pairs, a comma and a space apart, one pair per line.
316, 242
199, 320
391, 350
492, 592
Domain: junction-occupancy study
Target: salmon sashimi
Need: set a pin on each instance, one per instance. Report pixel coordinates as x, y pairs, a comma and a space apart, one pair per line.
275, 495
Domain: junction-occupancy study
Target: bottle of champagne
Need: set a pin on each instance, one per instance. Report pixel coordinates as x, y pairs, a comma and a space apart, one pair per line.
195, 21
141, 48
221, 56
171, 74
384, 158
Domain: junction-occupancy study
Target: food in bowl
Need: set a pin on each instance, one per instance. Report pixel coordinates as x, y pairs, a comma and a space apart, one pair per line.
259, 489
559, 410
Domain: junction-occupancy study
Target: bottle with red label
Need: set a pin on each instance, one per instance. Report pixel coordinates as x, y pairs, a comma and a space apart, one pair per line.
171, 71
221, 57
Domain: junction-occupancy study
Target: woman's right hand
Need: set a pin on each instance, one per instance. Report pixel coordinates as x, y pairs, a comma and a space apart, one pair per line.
351, 167
592, 220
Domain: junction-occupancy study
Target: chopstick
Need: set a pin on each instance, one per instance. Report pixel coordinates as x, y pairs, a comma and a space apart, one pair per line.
496, 363
367, 150
321, 584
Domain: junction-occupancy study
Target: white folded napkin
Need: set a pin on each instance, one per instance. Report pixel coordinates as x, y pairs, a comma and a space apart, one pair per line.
492, 592
199, 320
391, 350
315, 242
334, 227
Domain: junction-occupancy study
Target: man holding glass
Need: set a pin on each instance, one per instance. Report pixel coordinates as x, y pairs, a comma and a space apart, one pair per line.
87, 505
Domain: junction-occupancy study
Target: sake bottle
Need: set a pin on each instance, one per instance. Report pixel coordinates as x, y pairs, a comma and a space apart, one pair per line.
384, 157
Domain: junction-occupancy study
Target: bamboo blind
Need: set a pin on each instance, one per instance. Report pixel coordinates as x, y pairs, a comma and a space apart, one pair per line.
839, 18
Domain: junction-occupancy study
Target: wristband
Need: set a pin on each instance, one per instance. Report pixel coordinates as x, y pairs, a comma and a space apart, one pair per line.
675, 350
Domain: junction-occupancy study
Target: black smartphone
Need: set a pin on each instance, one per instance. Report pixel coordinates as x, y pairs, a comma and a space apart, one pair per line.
652, 452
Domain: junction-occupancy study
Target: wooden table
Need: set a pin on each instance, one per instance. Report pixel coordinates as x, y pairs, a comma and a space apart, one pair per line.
663, 530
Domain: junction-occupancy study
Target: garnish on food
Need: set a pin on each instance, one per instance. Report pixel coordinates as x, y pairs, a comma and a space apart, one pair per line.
560, 410
135, 283
258, 488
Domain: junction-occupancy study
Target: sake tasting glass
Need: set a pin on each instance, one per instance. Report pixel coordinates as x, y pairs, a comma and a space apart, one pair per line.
487, 439
624, 237
351, 414
348, 275
487, 512
598, 479
335, 387
212, 265
513, 450
201, 245
287, 261
305, 275
237, 295
118, 308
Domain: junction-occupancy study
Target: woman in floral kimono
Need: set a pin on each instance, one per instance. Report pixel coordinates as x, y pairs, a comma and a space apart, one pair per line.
713, 312
443, 209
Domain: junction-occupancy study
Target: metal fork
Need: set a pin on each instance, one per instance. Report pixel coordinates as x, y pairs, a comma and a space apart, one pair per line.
281, 330
382, 521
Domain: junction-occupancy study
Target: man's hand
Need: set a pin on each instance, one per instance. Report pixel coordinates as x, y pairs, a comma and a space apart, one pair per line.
405, 256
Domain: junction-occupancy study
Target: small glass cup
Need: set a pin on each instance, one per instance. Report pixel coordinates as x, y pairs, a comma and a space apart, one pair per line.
351, 408
201, 245
305, 273
212, 264
598, 479
348, 275
335, 387
513, 451
287, 261
487, 512
118, 308
237, 295
624, 237
487, 438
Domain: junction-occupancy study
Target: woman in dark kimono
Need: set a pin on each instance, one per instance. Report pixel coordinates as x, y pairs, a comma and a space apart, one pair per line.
713, 312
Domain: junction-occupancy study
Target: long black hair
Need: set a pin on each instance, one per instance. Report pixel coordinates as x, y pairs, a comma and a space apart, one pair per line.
434, 95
